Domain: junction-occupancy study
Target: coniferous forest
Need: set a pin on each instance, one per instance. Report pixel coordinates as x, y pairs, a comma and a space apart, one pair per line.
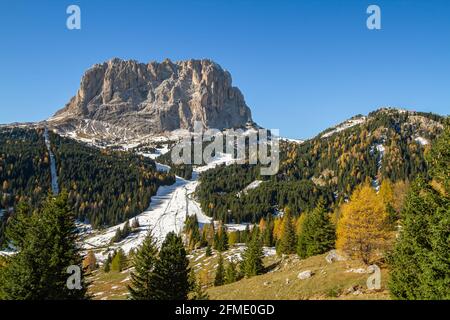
327, 168
104, 187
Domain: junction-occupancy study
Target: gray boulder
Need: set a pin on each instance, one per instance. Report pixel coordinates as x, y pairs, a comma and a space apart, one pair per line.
305, 274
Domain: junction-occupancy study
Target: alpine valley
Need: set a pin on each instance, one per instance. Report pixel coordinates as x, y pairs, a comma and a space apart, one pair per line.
373, 190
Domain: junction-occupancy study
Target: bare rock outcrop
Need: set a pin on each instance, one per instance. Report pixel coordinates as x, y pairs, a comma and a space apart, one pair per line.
128, 98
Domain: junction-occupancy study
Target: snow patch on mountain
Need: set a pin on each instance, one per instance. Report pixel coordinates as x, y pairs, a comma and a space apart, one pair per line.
379, 147
422, 141
238, 226
345, 125
298, 141
255, 184
217, 160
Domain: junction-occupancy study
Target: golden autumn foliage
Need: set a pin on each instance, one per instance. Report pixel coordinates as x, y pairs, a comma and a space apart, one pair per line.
362, 228
203, 277
90, 262
262, 225
299, 223
233, 238
277, 227
400, 190
386, 192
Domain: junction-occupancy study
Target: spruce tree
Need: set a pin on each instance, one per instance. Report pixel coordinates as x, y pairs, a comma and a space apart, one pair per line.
144, 263
220, 272
126, 229
118, 262
208, 252
47, 248
268, 233
224, 236
288, 242
411, 248
131, 255
252, 264
420, 261
386, 193
217, 245
221, 239
117, 236
18, 225
230, 273
245, 235
318, 233
135, 224
193, 232
171, 274
438, 160
107, 264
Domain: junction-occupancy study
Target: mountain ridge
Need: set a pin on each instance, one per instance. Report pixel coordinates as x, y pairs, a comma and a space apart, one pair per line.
389, 144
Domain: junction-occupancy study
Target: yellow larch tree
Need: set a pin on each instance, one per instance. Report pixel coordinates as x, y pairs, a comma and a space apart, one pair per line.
362, 229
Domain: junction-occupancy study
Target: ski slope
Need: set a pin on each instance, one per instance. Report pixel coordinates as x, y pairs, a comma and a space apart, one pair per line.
167, 212
55, 187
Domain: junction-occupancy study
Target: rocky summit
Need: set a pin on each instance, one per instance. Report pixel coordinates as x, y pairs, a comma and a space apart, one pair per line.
127, 99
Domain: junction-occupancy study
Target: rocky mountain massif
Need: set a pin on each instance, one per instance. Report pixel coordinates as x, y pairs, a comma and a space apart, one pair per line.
121, 100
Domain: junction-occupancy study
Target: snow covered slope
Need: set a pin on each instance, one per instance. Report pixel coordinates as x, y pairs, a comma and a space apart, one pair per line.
253, 185
167, 212
55, 187
345, 125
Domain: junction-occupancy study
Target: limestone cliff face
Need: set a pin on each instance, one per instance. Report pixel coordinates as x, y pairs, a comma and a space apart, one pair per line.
154, 98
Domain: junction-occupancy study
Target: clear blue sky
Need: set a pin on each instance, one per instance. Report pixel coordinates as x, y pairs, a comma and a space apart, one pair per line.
302, 65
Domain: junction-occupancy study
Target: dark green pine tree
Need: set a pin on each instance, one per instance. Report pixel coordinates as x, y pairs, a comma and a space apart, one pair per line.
47, 248
413, 249
220, 272
252, 264
288, 242
230, 273
221, 239
420, 261
438, 159
268, 232
144, 262
117, 236
224, 236
107, 264
192, 232
126, 230
119, 261
171, 274
18, 225
135, 224
318, 233
245, 235
216, 242
208, 252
